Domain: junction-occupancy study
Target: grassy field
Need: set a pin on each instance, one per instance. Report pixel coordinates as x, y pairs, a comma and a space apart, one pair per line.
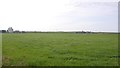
60, 49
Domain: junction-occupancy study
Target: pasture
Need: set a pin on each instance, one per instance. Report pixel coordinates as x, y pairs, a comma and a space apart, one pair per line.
59, 49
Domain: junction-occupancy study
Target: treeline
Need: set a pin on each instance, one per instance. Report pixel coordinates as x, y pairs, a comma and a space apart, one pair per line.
6, 31
17, 31
77, 32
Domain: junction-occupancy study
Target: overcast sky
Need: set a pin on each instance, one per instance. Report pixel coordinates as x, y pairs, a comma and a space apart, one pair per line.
59, 15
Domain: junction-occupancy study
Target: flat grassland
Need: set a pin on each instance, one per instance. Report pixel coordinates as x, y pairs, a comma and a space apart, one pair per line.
59, 49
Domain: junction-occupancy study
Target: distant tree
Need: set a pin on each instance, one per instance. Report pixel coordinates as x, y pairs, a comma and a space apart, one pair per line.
10, 30
16, 31
83, 32
3, 31
23, 32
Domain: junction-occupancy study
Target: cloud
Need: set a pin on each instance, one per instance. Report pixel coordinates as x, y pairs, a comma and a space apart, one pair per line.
92, 15
59, 14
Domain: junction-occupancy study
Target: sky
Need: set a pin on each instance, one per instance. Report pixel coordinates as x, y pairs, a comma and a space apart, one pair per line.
59, 15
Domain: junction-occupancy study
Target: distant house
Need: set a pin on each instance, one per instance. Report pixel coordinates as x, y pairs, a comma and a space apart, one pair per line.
10, 30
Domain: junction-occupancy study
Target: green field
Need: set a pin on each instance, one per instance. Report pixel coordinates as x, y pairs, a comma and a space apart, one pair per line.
60, 49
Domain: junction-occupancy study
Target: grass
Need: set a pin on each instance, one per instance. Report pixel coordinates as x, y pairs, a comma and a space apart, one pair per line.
60, 49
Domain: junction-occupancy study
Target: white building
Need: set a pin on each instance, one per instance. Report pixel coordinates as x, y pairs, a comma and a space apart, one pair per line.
10, 30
